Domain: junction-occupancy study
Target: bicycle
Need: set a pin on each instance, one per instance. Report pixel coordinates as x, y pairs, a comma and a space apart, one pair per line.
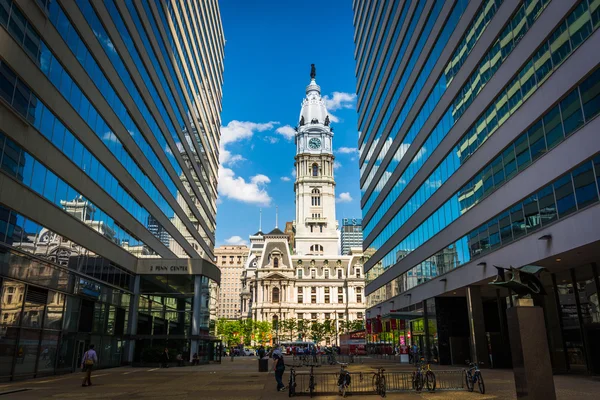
292, 381
312, 383
472, 375
379, 382
423, 376
343, 379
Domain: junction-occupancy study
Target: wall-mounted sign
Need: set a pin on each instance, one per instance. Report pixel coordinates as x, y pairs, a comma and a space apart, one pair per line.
168, 268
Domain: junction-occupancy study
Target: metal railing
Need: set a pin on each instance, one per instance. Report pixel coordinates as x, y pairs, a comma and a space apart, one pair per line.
323, 359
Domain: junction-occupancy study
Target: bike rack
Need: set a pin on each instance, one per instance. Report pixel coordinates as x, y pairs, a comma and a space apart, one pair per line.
362, 382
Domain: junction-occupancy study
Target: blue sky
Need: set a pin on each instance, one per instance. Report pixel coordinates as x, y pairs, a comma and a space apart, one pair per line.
269, 48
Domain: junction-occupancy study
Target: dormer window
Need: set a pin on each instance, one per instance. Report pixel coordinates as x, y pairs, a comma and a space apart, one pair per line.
276, 262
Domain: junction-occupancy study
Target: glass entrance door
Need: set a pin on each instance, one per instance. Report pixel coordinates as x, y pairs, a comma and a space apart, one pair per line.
79, 351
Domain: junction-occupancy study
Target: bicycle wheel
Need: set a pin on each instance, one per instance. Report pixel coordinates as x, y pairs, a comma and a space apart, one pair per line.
469, 380
375, 383
417, 381
480, 383
430, 380
382, 387
292, 386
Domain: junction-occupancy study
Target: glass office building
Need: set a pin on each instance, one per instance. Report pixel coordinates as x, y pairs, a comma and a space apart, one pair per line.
479, 147
109, 144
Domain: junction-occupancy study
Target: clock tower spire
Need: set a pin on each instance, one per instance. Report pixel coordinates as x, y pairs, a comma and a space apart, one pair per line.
316, 226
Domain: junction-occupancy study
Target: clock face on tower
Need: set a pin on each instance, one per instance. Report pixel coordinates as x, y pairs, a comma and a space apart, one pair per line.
314, 144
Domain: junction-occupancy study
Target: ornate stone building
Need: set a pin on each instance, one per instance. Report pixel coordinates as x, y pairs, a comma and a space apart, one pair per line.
316, 282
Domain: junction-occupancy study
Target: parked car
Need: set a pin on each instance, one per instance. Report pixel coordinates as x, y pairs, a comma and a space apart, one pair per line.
247, 352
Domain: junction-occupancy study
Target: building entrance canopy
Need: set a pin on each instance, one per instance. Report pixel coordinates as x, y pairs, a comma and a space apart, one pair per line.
178, 266
406, 315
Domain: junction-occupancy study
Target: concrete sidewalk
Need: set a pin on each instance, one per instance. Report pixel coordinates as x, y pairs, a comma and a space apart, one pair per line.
240, 379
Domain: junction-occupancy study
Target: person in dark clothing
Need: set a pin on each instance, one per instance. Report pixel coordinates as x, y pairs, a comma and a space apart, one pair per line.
164, 359
261, 352
279, 368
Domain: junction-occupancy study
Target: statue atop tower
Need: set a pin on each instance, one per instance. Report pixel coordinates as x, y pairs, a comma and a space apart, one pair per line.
313, 71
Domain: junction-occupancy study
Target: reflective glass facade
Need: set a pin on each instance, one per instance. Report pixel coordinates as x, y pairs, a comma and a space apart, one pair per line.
108, 162
423, 178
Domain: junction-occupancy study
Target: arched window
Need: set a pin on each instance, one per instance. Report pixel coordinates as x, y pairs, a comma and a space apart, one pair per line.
315, 170
316, 249
275, 262
275, 322
316, 197
275, 295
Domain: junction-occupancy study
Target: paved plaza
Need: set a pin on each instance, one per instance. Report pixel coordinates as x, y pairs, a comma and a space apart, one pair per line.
240, 380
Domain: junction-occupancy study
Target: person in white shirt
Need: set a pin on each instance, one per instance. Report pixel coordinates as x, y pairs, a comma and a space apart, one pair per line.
90, 359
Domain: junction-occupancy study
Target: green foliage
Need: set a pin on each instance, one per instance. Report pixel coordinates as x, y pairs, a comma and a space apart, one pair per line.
237, 332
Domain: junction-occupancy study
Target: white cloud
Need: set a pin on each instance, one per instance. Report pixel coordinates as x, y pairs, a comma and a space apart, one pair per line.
226, 158
347, 150
236, 188
286, 131
286, 178
235, 240
344, 198
271, 139
339, 100
238, 130
337, 164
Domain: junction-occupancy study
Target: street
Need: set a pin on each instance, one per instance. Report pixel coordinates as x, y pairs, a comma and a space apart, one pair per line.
240, 380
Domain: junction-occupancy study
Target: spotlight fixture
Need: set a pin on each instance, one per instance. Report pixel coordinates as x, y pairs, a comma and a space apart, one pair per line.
482, 264
453, 292
558, 259
545, 237
443, 280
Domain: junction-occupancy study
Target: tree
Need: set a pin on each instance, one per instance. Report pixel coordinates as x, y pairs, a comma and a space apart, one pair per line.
357, 325
262, 330
302, 328
230, 332
289, 326
329, 329
317, 332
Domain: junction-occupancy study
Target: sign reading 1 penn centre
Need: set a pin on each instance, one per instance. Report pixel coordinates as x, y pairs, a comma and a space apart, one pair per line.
178, 266
351, 221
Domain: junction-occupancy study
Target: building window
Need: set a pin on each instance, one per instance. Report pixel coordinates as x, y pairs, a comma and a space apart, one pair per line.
339, 274
313, 274
359, 315
340, 290
313, 298
275, 295
300, 299
359, 298
326, 290
326, 274
327, 315
357, 272
313, 290
315, 170
276, 262
316, 198
300, 316
313, 316
340, 298
299, 274
316, 248
275, 322
341, 316
327, 299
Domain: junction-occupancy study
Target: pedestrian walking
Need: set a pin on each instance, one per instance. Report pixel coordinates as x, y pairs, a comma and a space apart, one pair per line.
90, 358
279, 368
195, 359
179, 360
261, 352
164, 359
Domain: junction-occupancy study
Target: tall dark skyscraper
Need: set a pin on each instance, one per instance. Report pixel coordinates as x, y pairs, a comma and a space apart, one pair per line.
478, 148
109, 155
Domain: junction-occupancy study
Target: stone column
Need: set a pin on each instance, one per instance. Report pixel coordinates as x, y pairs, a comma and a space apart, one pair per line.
477, 336
196, 303
133, 318
531, 359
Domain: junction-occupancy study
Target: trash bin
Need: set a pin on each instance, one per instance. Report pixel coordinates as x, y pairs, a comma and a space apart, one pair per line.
263, 365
